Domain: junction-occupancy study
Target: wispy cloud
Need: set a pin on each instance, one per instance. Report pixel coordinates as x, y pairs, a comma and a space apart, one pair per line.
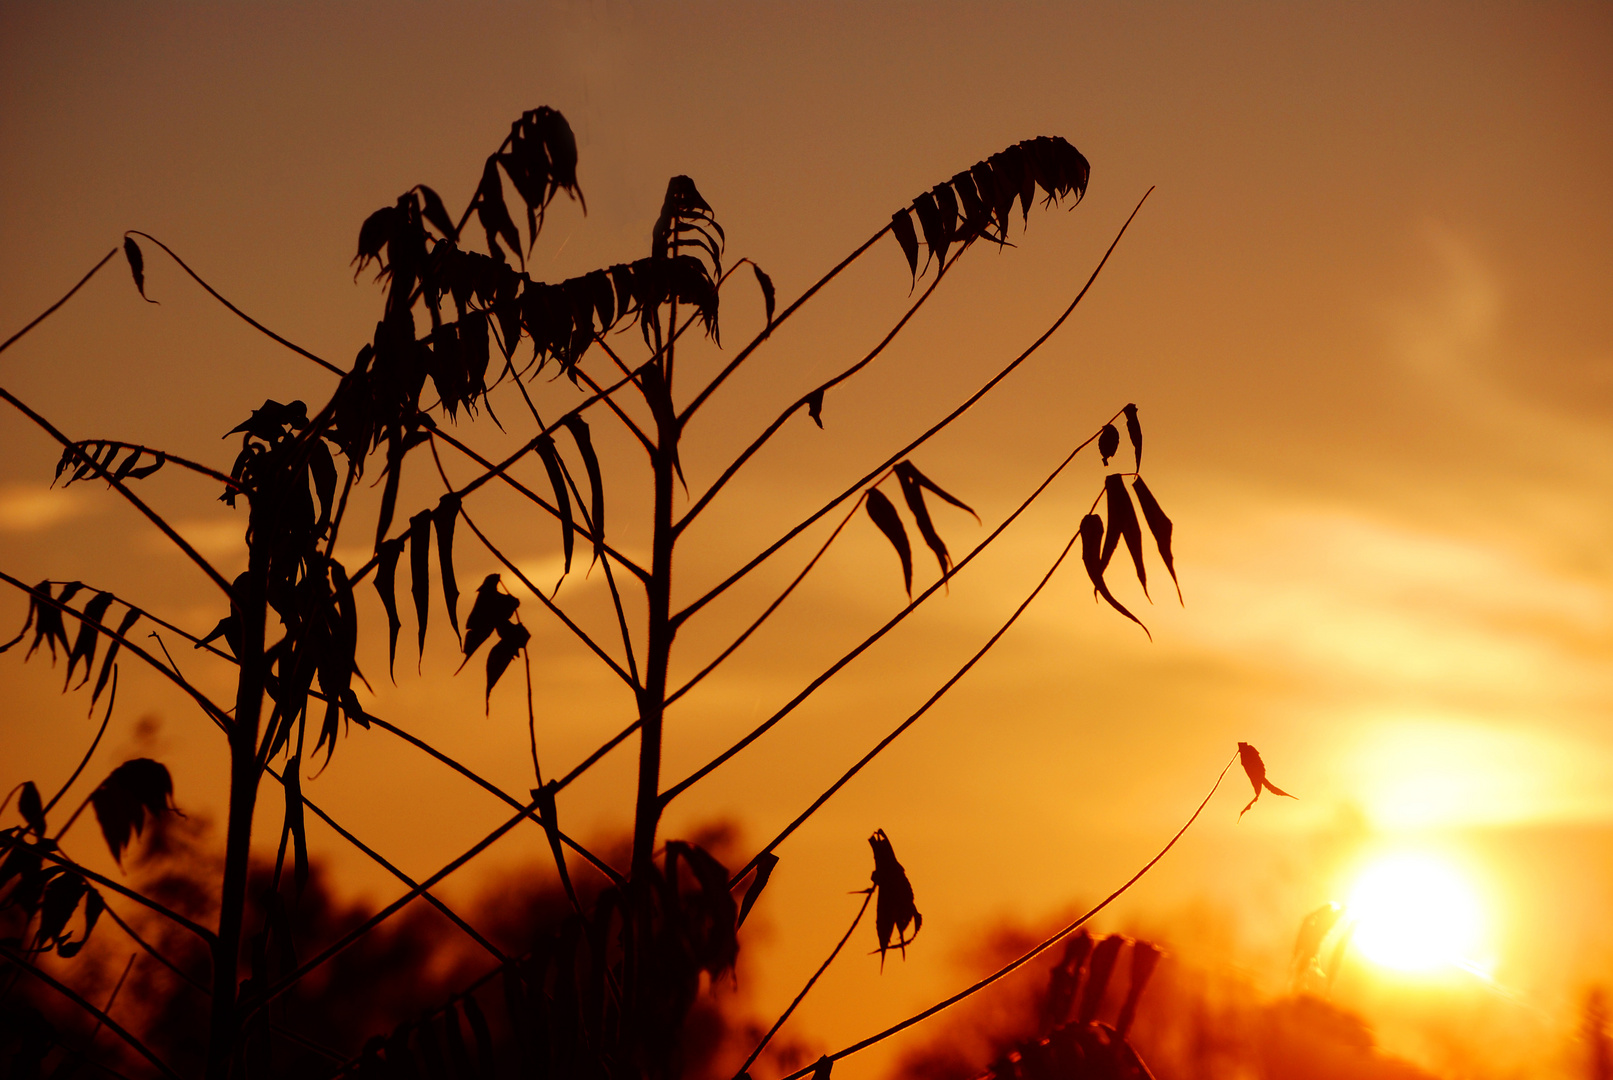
29, 508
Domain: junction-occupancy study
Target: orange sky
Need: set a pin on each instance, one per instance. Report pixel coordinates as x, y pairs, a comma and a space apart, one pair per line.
1364, 314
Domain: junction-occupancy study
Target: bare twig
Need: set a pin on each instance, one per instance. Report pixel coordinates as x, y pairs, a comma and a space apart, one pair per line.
48, 312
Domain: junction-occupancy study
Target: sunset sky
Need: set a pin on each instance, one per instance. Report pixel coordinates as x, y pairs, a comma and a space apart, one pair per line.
1364, 314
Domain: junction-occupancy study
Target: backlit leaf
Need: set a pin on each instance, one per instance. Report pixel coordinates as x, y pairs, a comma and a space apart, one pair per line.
435, 212
1255, 769
1160, 526
596, 483
1134, 430
443, 519
1123, 525
137, 266
914, 484
127, 622
884, 515
894, 909
815, 407
32, 809
294, 822
420, 570
491, 610
902, 228
766, 863
1092, 557
512, 638
557, 480
1108, 442
766, 284
122, 801
386, 570
88, 636
1099, 968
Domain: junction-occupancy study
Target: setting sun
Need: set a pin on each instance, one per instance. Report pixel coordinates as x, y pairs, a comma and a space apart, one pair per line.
1415, 913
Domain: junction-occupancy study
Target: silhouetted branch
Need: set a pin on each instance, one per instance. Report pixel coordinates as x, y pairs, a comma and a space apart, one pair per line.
756, 561
1015, 965
48, 312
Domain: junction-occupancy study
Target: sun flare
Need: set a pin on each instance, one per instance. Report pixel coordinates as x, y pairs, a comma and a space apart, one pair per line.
1415, 913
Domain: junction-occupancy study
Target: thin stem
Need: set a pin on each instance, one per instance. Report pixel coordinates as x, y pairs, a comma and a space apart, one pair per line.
112, 697
1015, 965
767, 331
868, 894
151, 951
214, 293
48, 312
766, 554
806, 399
78, 999
912, 719
869, 641
381, 861
111, 999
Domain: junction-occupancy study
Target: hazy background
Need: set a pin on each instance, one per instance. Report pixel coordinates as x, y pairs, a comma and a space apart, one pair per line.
1364, 315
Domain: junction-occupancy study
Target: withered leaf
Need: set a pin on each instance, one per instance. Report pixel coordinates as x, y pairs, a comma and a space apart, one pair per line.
557, 480
914, 484
815, 407
823, 1068
88, 636
765, 865
1100, 968
894, 909
512, 638
386, 570
1255, 769
32, 808
443, 519
122, 801
420, 570
1134, 430
766, 284
130, 617
902, 228
1123, 524
596, 483
1144, 959
60, 900
1092, 557
1160, 526
94, 905
1108, 442
491, 610
137, 266
294, 823
884, 515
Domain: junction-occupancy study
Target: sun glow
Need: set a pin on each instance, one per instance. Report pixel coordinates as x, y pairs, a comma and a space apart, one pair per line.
1415, 913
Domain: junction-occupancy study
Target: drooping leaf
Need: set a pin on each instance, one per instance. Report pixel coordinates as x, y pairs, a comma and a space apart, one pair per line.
1134, 430
902, 229
557, 480
88, 636
512, 638
134, 789
544, 798
766, 284
494, 215
815, 407
1160, 526
1108, 442
596, 483
386, 571
1144, 959
294, 822
1099, 969
491, 610
1092, 557
137, 266
765, 865
1123, 525
60, 900
435, 212
112, 646
894, 909
443, 519
420, 570
94, 904
229, 629
914, 484
884, 515
1255, 769
32, 808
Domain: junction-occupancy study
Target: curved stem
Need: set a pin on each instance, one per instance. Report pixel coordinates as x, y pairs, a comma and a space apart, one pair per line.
111, 700
1015, 965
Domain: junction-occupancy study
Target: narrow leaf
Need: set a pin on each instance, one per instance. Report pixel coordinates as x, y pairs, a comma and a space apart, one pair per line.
902, 228
443, 519
137, 266
84, 644
914, 484
294, 823
1123, 525
1160, 526
557, 480
1091, 556
1134, 430
596, 483
1099, 968
884, 515
435, 212
386, 571
420, 570
766, 284
1255, 769
764, 871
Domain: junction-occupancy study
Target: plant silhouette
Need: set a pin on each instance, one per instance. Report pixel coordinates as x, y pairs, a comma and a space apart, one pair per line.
608, 988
